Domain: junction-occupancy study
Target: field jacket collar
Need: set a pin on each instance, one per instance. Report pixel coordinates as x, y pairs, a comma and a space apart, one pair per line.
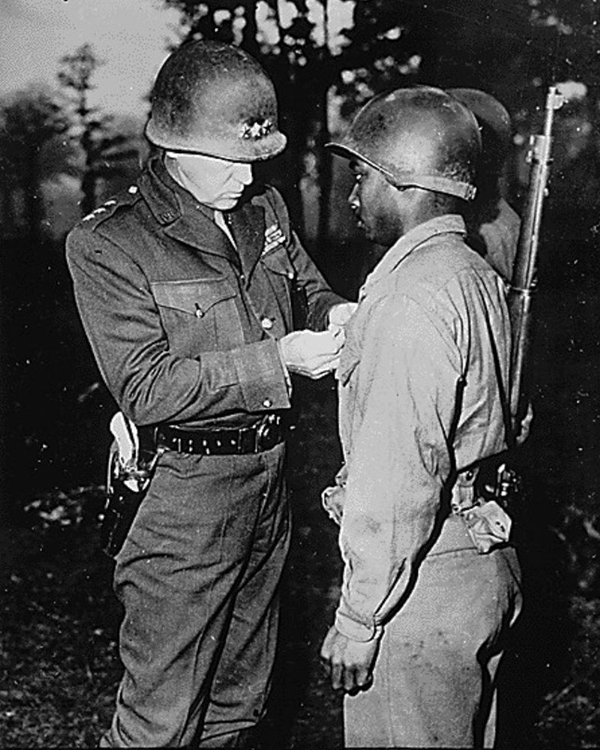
449, 223
186, 220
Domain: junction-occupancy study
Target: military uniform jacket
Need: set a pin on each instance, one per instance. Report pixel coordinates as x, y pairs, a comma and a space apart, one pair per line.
183, 327
423, 390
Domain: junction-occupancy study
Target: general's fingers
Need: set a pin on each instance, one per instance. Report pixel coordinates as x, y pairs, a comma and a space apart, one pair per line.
337, 675
363, 677
350, 681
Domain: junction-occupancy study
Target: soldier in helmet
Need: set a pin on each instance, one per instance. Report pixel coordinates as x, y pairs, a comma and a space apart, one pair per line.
492, 223
184, 284
431, 584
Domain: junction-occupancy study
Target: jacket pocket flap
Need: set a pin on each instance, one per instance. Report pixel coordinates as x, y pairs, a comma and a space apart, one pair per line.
279, 262
195, 296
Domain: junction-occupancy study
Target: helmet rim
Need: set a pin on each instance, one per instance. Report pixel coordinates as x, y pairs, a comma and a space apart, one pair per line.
215, 99
219, 148
432, 182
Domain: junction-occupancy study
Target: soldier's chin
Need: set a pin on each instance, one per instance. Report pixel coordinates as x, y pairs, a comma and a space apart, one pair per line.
362, 227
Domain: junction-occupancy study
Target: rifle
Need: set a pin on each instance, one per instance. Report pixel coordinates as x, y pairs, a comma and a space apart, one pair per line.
523, 282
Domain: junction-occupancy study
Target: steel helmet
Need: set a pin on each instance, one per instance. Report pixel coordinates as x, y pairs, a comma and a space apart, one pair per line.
494, 122
417, 137
215, 99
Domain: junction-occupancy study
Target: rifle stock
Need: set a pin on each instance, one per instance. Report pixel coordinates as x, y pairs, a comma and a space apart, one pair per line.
523, 280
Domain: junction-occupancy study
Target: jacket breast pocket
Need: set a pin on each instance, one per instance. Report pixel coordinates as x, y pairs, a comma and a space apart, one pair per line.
199, 315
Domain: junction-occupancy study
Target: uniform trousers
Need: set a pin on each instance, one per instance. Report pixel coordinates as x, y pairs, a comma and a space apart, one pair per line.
198, 577
434, 678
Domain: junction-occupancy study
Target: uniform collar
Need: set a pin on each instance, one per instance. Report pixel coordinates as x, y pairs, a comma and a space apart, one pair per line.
183, 218
449, 223
161, 192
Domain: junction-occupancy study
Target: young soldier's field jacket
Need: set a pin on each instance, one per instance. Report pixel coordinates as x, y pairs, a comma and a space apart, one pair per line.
421, 378
182, 326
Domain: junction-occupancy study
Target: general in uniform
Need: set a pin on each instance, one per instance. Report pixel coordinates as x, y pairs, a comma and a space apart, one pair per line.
185, 286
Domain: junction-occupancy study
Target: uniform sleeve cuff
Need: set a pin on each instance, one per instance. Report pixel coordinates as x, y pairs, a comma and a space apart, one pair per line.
356, 631
262, 377
288, 379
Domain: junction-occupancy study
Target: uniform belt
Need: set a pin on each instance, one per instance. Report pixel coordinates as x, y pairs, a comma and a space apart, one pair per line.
259, 437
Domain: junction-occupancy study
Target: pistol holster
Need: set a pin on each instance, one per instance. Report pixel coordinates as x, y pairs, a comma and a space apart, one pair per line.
129, 472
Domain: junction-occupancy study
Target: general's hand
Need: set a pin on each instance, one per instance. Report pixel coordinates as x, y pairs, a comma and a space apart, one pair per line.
311, 354
349, 663
340, 314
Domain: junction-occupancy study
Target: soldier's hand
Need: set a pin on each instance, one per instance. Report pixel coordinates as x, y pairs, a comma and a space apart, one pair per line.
348, 663
311, 354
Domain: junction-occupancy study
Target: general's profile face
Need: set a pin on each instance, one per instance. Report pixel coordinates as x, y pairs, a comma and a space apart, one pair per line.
374, 203
216, 183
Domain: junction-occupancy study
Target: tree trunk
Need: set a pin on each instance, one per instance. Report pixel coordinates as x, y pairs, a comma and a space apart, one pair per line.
88, 181
250, 43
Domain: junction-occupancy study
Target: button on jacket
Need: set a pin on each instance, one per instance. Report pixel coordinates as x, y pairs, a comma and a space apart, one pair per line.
421, 379
176, 317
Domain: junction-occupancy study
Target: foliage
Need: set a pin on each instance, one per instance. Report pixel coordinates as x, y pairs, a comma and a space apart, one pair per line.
104, 150
33, 130
45, 134
513, 49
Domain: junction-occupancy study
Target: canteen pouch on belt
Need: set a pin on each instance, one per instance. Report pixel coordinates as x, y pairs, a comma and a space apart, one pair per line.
131, 461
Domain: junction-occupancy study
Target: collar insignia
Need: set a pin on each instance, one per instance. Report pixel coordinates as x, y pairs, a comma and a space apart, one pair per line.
274, 237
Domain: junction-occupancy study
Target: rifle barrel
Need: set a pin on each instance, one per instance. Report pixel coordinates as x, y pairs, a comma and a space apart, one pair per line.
523, 279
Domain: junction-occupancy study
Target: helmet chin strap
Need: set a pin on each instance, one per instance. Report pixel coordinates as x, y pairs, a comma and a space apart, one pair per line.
434, 183
401, 179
